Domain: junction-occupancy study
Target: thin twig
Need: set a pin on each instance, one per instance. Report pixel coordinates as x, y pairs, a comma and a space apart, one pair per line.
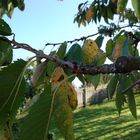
86, 37
74, 40
131, 86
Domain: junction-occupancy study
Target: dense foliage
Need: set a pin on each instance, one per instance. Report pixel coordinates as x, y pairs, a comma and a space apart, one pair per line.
25, 115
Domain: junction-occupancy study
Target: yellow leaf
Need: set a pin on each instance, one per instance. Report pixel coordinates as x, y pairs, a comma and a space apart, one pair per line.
72, 96
63, 114
5, 134
60, 78
58, 75
89, 14
90, 50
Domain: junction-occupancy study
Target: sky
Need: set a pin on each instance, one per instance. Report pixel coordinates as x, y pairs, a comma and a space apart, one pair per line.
46, 21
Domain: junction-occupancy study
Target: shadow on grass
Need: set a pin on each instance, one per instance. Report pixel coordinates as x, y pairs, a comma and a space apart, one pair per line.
102, 122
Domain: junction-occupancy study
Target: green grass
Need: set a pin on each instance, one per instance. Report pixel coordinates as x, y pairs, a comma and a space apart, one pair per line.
102, 122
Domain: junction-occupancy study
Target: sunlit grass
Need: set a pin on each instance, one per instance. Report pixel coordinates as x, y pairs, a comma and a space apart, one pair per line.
102, 122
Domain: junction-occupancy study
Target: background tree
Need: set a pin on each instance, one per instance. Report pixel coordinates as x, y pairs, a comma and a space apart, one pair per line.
55, 72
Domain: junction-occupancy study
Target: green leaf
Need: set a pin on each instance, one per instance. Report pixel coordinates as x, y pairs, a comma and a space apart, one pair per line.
125, 49
121, 5
133, 50
132, 103
127, 81
9, 56
62, 50
124, 82
109, 48
21, 4
99, 41
119, 97
95, 80
104, 12
137, 34
11, 90
100, 57
69, 73
4, 44
75, 54
36, 125
136, 6
6, 51
50, 68
5, 28
52, 53
111, 87
4, 4
110, 12
2, 11
96, 15
51, 65
2, 58
15, 3
136, 75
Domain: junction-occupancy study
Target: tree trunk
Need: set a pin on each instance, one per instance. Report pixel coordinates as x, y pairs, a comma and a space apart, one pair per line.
84, 97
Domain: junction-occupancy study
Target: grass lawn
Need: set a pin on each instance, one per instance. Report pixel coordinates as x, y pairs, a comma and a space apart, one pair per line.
101, 122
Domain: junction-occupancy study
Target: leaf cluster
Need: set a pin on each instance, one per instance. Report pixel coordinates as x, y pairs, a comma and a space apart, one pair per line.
97, 10
8, 6
51, 99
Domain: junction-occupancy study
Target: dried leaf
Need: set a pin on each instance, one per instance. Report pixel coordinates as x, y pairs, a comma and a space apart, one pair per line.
38, 72
118, 47
89, 14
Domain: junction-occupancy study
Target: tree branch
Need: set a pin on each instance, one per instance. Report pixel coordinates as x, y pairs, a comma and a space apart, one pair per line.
124, 64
